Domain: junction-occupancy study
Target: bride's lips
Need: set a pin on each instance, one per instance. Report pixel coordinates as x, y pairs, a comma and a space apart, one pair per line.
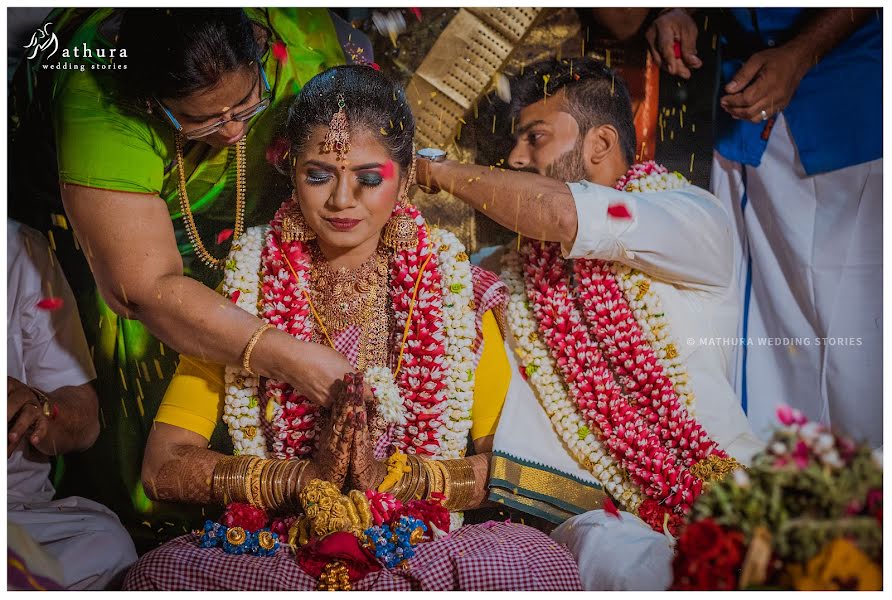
343, 224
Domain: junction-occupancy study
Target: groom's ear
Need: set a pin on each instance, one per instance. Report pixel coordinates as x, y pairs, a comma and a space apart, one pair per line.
599, 142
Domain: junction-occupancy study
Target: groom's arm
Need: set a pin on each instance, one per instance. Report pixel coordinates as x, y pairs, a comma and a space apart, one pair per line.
681, 236
532, 205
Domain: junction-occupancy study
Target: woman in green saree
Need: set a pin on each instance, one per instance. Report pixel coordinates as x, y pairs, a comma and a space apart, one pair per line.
162, 152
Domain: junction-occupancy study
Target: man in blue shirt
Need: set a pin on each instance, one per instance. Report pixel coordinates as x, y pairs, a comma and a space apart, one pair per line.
798, 163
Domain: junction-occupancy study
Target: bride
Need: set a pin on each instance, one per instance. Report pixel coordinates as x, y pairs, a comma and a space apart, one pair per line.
348, 262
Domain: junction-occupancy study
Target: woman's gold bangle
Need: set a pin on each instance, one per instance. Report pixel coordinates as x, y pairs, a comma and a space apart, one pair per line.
246, 355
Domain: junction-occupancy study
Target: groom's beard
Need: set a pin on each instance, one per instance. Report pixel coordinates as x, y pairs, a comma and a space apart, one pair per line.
568, 167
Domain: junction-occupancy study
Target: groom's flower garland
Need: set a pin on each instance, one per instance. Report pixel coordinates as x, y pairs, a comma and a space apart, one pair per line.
430, 404
652, 441
541, 370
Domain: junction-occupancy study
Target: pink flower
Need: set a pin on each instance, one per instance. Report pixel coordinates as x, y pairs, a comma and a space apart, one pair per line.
619, 211
801, 455
383, 506
224, 235
280, 51
611, 509
790, 416
50, 303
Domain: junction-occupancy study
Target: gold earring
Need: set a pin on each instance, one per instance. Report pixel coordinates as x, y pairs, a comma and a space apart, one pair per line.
294, 226
401, 231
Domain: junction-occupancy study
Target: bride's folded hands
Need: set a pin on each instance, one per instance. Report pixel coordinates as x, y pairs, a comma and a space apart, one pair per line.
332, 460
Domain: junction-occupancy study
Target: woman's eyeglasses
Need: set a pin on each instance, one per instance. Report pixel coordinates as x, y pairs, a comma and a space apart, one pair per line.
239, 116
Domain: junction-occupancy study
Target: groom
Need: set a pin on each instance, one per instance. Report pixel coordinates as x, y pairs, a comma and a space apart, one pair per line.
574, 124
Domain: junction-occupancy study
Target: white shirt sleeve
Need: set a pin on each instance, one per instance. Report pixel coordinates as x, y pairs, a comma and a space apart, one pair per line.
54, 350
682, 236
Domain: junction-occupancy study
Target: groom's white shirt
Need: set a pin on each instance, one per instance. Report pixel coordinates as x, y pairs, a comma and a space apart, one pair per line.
682, 240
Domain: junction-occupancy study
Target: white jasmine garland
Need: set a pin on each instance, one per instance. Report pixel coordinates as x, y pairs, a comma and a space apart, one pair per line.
241, 410
553, 395
460, 327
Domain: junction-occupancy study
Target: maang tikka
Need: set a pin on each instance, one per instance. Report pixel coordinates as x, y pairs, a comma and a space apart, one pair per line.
401, 231
338, 137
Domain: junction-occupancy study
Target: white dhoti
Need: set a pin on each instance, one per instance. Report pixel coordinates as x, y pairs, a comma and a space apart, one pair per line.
810, 249
87, 539
617, 553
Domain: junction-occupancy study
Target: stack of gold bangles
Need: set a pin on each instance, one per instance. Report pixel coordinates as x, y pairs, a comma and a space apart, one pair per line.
410, 477
266, 483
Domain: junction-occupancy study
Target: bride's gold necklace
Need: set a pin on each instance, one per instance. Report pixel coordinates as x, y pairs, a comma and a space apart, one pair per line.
186, 209
355, 297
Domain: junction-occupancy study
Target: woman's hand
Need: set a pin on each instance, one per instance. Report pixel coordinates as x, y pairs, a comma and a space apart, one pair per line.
365, 471
318, 373
332, 460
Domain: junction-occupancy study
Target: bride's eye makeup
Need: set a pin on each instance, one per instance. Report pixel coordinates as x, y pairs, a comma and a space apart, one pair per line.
318, 177
370, 178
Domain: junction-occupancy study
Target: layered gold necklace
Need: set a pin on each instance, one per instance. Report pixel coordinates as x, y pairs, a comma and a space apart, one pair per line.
357, 297
240, 188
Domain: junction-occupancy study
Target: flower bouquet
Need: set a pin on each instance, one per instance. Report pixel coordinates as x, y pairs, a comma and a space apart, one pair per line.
807, 515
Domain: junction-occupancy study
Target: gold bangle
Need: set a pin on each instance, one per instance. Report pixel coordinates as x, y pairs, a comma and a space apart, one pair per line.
447, 480
295, 483
252, 482
246, 354
462, 483
418, 477
227, 482
435, 474
403, 487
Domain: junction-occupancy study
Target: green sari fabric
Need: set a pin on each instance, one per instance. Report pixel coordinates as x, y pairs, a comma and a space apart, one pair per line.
103, 141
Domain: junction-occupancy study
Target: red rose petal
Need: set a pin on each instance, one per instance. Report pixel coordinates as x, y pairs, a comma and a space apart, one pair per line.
280, 51
619, 211
610, 508
387, 170
51, 303
223, 236
235, 295
416, 12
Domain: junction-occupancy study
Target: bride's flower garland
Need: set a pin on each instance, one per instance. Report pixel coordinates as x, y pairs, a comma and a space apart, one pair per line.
431, 401
591, 334
241, 283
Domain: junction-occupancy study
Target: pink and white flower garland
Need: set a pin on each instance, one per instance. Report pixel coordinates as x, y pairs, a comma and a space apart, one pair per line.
429, 402
617, 382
